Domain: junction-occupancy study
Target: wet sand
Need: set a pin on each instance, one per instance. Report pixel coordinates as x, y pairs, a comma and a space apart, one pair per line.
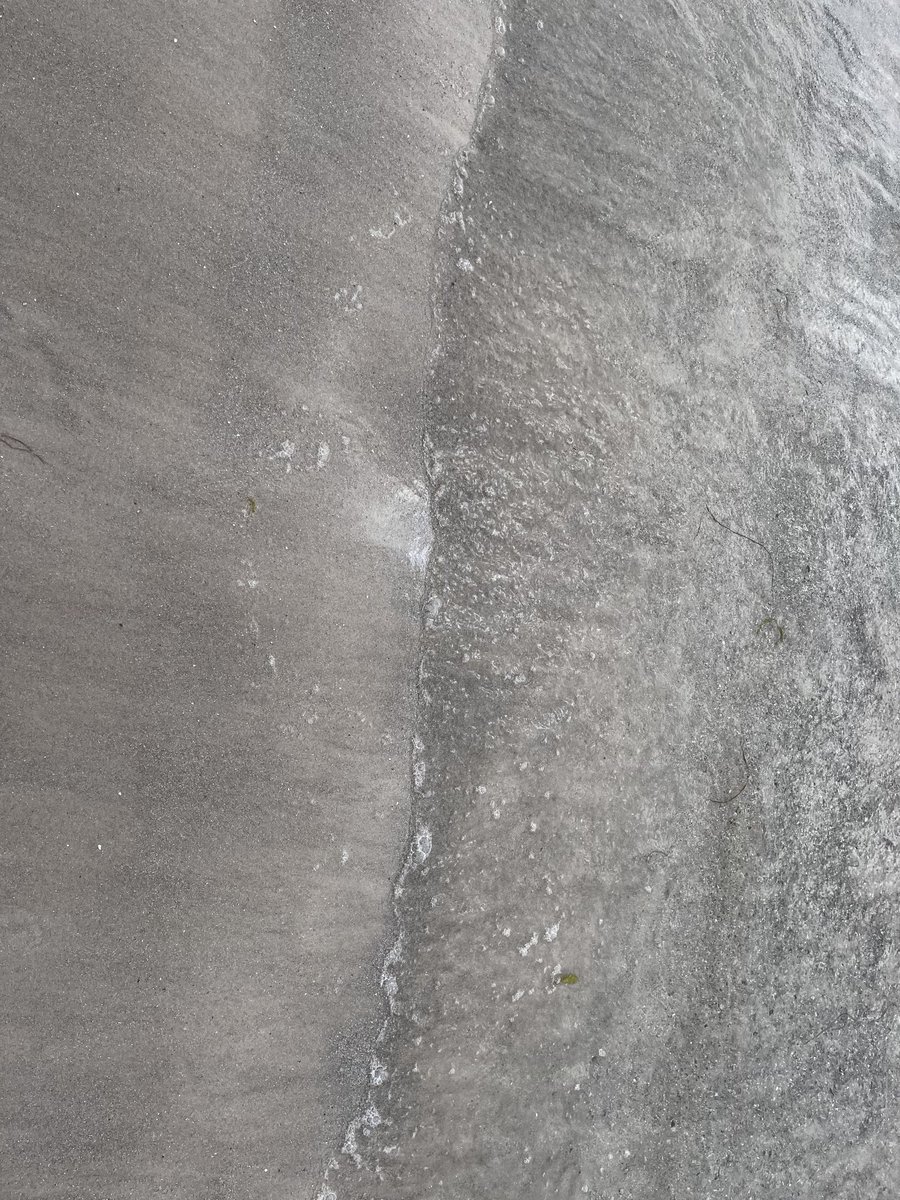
216, 248
643, 942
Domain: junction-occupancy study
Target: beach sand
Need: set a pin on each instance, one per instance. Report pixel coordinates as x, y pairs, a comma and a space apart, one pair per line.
216, 256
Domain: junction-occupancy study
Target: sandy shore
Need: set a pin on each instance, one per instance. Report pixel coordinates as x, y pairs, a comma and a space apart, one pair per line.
215, 254
648, 922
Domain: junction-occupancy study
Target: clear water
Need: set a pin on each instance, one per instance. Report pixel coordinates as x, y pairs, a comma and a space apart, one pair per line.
659, 702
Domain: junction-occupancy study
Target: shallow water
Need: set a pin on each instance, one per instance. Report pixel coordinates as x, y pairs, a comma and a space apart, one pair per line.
658, 695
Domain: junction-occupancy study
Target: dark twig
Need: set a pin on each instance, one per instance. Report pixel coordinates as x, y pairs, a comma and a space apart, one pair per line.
15, 443
741, 789
747, 538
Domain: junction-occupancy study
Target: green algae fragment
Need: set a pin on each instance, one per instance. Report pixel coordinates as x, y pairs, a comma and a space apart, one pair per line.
778, 630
